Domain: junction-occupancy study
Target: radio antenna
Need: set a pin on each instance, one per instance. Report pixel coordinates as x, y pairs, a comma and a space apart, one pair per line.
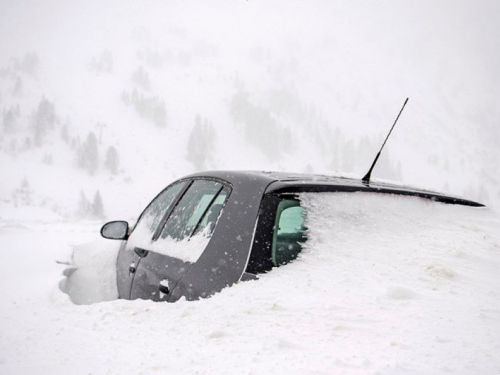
366, 179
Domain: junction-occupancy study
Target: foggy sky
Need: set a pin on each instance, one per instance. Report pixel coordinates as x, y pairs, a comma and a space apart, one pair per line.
354, 60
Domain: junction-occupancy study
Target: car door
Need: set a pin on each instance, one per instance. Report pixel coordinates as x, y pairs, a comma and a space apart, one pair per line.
151, 219
180, 239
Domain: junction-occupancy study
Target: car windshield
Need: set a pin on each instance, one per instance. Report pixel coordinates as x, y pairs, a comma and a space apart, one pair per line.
154, 213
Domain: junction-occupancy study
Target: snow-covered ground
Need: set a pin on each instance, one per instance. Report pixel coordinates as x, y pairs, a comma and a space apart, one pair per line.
386, 285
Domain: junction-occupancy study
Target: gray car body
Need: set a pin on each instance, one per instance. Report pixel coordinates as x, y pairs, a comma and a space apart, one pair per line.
239, 245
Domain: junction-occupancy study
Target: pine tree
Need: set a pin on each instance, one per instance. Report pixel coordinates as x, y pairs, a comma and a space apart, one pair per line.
112, 160
44, 120
23, 194
88, 154
97, 208
201, 143
141, 78
259, 125
149, 107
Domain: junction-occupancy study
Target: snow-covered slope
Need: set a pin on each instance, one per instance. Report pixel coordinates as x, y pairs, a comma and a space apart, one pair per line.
176, 87
386, 285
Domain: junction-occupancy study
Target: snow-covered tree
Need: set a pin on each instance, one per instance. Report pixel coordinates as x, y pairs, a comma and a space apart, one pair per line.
260, 127
97, 208
43, 120
112, 160
88, 210
23, 194
149, 107
201, 143
91, 153
88, 154
141, 78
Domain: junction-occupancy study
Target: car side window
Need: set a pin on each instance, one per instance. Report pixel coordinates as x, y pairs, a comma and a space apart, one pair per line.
197, 210
289, 232
153, 214
211, 215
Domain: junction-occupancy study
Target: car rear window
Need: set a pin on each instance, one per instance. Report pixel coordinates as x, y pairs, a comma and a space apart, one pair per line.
289, 232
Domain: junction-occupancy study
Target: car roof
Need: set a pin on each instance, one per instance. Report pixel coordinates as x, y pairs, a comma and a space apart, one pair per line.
294, 183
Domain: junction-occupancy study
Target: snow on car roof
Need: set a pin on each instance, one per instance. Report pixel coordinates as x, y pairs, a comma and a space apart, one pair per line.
287, 182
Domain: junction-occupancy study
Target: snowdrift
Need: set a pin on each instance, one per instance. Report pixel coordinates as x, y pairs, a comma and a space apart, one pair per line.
386, 285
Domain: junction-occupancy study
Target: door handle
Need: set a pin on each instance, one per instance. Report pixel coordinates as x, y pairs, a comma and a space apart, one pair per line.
163, 287
132, 268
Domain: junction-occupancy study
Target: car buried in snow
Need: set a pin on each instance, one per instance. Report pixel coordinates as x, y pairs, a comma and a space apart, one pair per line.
208, 231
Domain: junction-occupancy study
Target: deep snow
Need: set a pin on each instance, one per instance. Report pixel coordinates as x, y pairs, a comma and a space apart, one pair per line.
386, 285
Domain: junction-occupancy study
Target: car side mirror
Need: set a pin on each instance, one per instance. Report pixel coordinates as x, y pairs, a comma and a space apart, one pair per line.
115, 230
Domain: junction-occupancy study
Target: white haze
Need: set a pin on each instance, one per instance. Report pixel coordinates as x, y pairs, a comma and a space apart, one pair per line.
322, 84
